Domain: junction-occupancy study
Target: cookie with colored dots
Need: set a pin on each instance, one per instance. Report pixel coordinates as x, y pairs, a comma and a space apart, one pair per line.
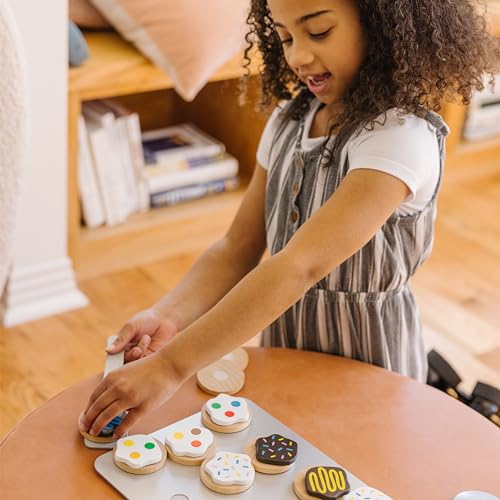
189, 445
367, 493
325, 482
227, 472
272, 454
239, 357
226, 414
139, 454
223, 376
106, 434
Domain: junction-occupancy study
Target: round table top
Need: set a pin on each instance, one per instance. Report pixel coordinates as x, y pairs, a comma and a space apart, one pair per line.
405, 438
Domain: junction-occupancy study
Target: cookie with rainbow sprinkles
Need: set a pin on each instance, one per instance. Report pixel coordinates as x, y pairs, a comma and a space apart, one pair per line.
139, 454
367, 493
325, 482
228, 472
272, 454
189, 444
226, 414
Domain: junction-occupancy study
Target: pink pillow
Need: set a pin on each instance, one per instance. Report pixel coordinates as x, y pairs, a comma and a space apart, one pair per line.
188, 39
83, 13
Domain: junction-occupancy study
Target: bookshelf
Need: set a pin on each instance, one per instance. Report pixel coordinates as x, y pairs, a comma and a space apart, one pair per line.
116, 69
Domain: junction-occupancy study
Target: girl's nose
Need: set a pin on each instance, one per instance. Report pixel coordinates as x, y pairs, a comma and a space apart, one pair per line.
299, 56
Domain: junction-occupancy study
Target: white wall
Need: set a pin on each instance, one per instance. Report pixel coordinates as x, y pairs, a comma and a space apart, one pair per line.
42, 280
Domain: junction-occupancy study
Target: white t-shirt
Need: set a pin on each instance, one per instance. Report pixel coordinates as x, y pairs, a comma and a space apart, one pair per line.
404, 146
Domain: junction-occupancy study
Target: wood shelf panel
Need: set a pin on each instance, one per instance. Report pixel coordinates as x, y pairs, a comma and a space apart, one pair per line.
116, 68
163, 232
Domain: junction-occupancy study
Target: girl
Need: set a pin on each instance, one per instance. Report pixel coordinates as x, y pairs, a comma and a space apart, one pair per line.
344, 193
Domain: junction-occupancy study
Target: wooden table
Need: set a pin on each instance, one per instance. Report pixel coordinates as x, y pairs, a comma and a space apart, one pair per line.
405, 438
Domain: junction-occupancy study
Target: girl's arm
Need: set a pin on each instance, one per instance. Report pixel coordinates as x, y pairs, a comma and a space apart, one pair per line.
225, 263
346, 222
210, 278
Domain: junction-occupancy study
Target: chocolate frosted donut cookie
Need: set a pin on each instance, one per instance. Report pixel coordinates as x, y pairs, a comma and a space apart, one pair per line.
272, 454
325, 482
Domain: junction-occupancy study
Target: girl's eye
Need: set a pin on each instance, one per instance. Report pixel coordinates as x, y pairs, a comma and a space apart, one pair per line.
323, 34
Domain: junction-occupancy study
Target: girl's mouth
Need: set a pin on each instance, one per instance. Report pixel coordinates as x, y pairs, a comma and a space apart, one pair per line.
318, 84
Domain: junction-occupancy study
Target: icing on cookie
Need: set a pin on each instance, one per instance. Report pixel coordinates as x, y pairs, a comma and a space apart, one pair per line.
228, 468
137, 451
109, 428
189, 441
367, 493
276, 450
226, 410
327, 482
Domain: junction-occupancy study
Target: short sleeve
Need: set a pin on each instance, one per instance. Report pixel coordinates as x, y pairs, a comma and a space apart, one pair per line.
403, 146
268, 134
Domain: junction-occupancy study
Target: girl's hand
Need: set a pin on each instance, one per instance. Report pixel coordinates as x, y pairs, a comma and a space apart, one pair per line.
144, 333
138, 387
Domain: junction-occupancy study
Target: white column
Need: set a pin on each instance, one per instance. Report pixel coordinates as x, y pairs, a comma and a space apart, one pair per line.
42, 280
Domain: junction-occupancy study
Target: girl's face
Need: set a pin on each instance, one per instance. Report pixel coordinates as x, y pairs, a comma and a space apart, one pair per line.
323, 43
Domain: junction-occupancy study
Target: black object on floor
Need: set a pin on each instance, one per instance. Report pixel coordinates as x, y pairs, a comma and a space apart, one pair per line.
485, 398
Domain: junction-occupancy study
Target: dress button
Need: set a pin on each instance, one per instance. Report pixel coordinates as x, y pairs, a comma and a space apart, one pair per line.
294, 216
295, 188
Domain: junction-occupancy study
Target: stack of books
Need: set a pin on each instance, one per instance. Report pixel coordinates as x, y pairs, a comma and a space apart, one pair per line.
122, 170
183, 163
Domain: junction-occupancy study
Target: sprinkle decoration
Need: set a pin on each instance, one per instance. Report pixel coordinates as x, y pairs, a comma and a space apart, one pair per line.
367, 493
137, 451
226, 410
228, 469
276, 450
188, 441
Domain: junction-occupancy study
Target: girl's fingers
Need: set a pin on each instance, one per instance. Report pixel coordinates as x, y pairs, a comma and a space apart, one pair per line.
106, 398
132, 417
138, 351
95, 394
108, 414
125, 335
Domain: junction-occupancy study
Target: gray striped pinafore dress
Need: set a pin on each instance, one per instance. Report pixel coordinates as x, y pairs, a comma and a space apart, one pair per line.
364, 309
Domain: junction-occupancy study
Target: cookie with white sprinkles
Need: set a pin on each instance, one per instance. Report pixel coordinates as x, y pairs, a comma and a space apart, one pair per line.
366, 493
228, 472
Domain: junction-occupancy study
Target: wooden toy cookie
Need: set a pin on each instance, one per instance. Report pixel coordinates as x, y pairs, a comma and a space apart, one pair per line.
223, 376
226, 414
139, 454
325, 482
227, 472
189, 445
239, 357
272, 454
366, 493
106, 434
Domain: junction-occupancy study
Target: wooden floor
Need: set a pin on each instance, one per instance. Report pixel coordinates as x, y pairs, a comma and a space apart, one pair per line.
458, 291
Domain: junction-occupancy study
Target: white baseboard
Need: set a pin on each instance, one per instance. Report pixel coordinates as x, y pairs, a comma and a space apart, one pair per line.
38, 291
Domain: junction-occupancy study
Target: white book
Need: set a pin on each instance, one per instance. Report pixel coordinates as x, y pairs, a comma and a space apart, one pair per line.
223, 168
109, 174
90, 196
177, 143
103, 116
136, 154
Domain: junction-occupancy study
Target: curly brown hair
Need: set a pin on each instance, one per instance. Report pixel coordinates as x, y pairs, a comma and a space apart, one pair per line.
420, 53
